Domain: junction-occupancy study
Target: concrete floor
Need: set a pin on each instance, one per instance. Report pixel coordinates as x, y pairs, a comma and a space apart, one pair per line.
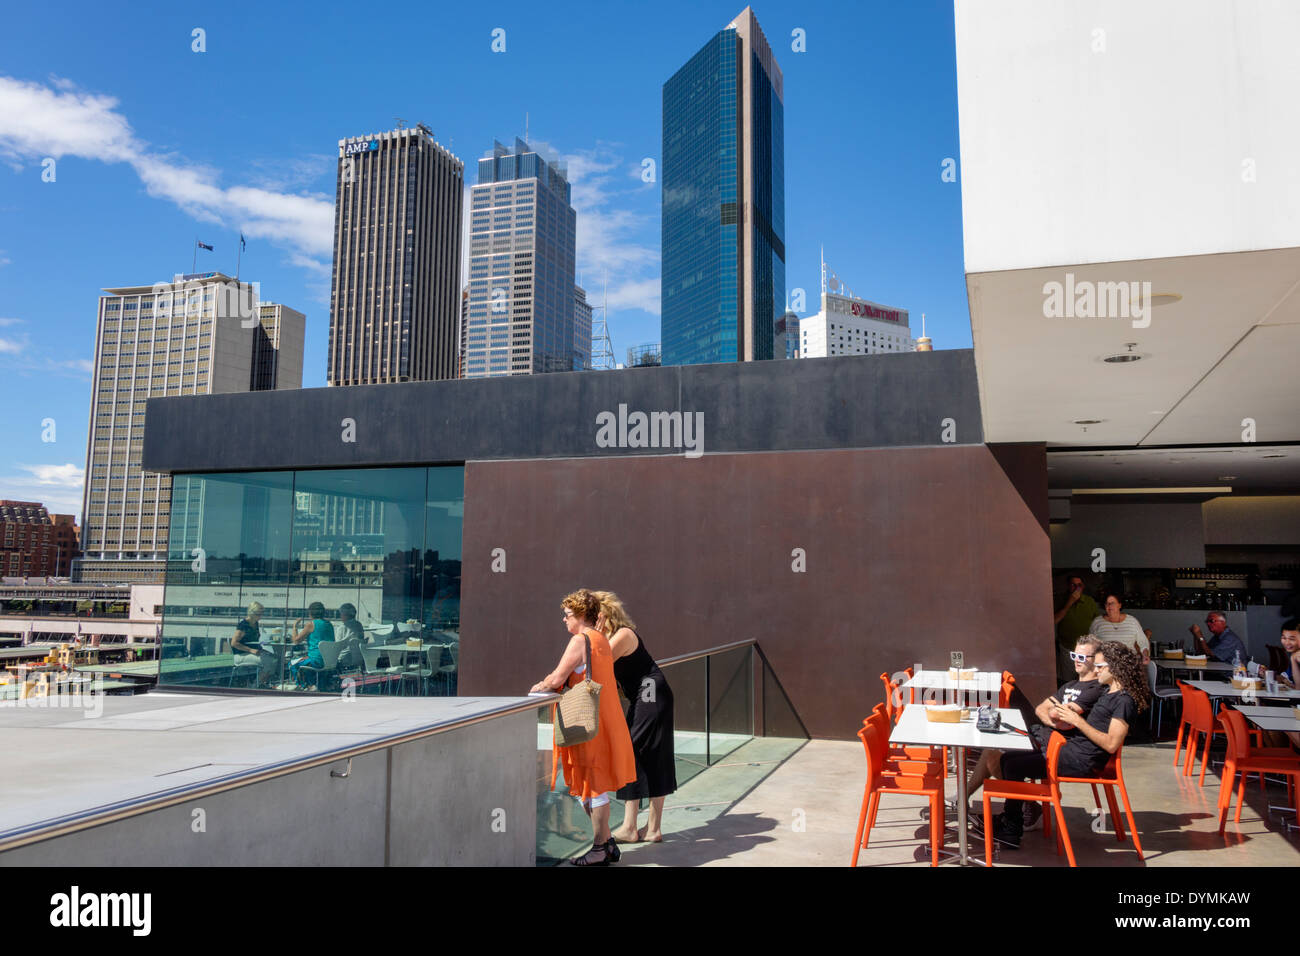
802, 810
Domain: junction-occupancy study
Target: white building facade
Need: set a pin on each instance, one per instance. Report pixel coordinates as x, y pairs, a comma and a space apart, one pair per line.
847, 325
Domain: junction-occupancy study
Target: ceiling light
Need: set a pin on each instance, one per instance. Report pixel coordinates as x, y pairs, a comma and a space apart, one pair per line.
1226, 478
1089, 421
1123, 357
1161, 298
1272, 456
1151, 491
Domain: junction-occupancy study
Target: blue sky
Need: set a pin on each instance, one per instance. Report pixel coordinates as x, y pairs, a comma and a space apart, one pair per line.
155, 145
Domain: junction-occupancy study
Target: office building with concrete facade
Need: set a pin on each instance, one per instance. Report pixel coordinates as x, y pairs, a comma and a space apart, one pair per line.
199, 334
395, 296
523, 230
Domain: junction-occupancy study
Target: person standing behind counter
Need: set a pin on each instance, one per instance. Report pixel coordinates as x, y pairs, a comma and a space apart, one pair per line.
1115, 625
1073, 621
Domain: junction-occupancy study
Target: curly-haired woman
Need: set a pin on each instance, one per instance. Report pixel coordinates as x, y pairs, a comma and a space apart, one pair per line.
1125, 694
596, 769
649, 720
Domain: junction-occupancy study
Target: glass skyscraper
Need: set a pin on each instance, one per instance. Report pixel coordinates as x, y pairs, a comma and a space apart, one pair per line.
520, 315
723, 278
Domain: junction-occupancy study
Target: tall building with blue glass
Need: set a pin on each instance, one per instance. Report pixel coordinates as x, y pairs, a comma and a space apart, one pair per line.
723, 174
520, 313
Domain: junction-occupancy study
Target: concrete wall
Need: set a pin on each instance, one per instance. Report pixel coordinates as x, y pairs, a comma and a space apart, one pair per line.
910, 553
429, 802
845, 402
1133, 535
1113, 130
1267, 520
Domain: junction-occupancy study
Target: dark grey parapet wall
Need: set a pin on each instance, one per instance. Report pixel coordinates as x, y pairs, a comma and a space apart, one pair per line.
859, 401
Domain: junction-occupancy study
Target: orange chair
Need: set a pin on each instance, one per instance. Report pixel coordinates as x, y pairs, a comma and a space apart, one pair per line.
893, 708
915, 757
1008, 685
1204, 721
879, 783
1186, 721
1244, 759
1047, 792
1112, 778
1199, 714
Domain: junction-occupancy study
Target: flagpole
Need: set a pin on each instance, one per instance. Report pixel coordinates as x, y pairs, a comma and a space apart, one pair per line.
239, 258
194, 259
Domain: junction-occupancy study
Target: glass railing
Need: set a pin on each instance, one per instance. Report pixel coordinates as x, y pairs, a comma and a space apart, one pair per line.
722, 698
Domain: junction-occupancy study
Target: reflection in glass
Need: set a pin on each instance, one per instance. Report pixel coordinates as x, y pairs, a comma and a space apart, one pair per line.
372, 554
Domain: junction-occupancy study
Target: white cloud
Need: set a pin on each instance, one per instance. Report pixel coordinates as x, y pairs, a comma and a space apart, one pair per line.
59, 120
12, 346
611, 232
58, 487
4, 322
80, 365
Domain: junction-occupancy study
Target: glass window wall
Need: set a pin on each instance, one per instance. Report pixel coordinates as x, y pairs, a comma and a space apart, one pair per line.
334, 581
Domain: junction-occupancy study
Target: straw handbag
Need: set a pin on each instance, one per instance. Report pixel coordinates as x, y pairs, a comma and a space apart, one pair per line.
577, 715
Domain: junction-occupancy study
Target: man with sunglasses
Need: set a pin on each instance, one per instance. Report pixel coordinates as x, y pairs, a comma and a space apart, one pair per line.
1079, 695
1224, 644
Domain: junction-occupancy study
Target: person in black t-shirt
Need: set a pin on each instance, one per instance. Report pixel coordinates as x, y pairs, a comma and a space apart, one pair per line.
1101, 733
1078, 694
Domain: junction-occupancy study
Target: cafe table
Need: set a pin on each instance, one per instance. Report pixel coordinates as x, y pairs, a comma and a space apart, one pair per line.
1271, 718
1218, 690
913, 728
1210, 666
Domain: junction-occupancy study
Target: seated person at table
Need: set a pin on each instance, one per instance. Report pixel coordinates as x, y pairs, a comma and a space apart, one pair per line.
1223, 644
248, 640
1085, 754
316, 630
1290, 644
1079, 694
351, 637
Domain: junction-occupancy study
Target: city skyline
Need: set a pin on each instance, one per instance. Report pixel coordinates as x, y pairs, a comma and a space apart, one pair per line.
125, 154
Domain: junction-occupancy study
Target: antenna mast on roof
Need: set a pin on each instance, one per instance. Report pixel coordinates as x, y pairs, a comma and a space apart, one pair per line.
602, 349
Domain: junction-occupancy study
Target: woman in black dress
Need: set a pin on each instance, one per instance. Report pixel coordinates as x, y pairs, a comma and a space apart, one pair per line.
649, 719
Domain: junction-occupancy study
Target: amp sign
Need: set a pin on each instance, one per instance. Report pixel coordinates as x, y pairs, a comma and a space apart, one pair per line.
369, 146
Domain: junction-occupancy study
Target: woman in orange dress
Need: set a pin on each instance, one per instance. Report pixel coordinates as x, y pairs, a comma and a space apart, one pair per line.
596, 769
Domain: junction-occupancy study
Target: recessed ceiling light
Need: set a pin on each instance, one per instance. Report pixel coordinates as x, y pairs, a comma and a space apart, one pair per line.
1124, 357
1162, 298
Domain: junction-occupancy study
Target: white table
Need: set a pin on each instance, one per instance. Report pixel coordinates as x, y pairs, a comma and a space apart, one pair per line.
1213, 666
935, 687
1271, 718
913, 728
1219, 689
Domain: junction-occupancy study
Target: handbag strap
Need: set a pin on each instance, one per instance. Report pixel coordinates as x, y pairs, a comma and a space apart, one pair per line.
587, 672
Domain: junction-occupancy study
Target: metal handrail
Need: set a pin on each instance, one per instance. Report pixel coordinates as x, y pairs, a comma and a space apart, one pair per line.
71, 823
695, 655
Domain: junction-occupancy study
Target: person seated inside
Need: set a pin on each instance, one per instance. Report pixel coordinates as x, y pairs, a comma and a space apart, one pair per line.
1125, 694
351, 638
248, 640
1079, 695
313, 632
1223, 644
1291, 644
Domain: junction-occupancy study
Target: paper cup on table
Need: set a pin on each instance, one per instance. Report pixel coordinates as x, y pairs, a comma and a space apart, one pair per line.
943, 713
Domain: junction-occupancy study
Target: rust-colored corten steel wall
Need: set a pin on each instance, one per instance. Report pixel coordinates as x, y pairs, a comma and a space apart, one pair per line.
910, 553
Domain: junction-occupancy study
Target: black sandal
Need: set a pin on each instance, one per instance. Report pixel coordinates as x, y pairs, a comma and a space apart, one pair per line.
585, 859
612, 850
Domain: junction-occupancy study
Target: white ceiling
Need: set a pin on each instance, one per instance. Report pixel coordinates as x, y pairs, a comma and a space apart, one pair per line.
1256, 468
1227, 351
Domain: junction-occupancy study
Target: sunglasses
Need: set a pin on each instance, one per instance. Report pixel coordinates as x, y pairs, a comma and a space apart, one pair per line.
1080, 658
1101, 666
